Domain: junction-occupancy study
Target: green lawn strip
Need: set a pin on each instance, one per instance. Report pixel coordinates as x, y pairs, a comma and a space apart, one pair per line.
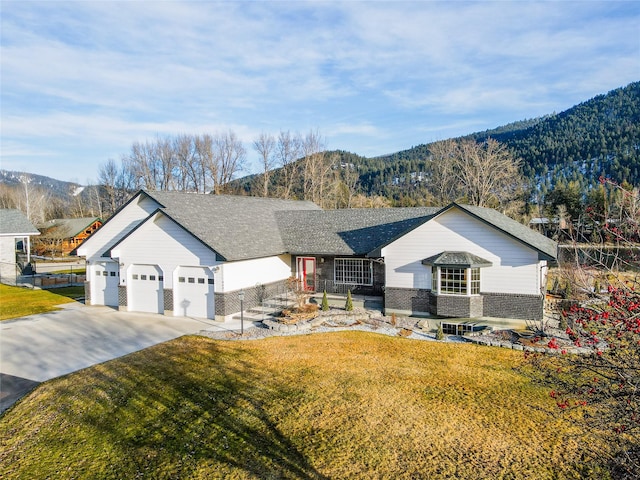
68, 271
335, 405
19, 302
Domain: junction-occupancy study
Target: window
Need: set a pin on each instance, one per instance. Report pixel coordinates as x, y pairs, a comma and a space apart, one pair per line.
113, 274
200, 280
143, 277
104, 273
355, 271
191, 280
453, 281
134, 276
475, 281
181, 279
210, 281
152, 277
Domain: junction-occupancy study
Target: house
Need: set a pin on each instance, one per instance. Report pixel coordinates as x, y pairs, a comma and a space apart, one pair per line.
61, 236
15, 230
191, 254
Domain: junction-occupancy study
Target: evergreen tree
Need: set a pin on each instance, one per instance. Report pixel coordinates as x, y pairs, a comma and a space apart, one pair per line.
349, 305
325, 302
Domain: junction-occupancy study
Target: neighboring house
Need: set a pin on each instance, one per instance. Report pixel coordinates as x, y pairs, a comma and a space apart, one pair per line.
191, 254
61, 236
15, 229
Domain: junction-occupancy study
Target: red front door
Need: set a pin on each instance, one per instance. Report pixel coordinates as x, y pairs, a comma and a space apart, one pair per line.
307, 273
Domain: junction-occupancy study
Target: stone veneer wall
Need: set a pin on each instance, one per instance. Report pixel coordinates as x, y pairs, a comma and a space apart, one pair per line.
168, 299
122, 296
228, 303
412, 300
458, 306
499, 305
87, 293
523, 307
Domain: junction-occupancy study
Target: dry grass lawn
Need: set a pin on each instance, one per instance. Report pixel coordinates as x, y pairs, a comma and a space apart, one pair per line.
334, 405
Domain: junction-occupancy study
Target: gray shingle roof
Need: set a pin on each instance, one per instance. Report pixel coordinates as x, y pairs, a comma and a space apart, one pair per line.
236, 227
456, 259
13, 221
347, 232
240, 228
520, 232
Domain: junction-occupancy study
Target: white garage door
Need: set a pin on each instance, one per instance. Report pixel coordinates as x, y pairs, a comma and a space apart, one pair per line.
193, 292
145, 291
105, 278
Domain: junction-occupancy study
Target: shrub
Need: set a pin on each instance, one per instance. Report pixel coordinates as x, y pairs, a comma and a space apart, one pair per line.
325, 302
349, 305
439, 332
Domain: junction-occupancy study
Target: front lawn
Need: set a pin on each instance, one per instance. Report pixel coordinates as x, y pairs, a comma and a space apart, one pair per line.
19, 302
334, 405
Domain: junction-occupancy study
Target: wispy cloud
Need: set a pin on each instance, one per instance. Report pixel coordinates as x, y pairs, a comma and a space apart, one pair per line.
83, 80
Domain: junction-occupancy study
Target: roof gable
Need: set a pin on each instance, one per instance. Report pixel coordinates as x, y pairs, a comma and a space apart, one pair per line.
546, 248
154, 215
119, 224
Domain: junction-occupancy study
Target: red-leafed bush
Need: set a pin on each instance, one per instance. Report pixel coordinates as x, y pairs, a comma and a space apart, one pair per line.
600, 387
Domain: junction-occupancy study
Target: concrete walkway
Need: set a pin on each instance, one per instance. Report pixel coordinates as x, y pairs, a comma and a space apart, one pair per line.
41, 347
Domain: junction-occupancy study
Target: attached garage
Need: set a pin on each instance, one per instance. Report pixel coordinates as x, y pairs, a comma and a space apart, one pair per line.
193, 294
145, 288
105, 278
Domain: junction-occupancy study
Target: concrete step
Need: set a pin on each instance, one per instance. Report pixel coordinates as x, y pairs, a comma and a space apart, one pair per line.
253, 316
267, 310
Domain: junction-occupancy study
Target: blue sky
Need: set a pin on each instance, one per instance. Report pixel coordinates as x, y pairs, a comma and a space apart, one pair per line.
81, 81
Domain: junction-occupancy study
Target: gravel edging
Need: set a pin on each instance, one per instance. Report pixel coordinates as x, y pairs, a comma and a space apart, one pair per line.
374, 322
364, 321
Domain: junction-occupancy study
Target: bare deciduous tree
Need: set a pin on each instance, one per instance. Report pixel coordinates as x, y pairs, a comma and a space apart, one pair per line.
229, 156
204, 164
288, 149
317, 169
483, 174
265, 145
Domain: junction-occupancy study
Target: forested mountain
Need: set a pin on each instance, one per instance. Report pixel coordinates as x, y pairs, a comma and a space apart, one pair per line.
57, 188
599, 137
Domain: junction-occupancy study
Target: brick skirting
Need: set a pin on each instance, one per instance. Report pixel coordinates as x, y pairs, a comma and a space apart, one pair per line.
229, 303
505, 305
413, 301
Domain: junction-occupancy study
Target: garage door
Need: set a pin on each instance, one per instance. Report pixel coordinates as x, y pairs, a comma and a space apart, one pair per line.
193, 292
145, 291
105, 278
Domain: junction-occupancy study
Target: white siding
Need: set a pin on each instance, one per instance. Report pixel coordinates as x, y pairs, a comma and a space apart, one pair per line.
8, 252
117, 227
160, 241
249, 273
8, 270
515, 267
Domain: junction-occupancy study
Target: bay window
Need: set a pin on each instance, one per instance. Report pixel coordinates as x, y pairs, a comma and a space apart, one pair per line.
455, 273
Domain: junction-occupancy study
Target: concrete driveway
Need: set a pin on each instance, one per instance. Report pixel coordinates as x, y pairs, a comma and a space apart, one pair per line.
41, 347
